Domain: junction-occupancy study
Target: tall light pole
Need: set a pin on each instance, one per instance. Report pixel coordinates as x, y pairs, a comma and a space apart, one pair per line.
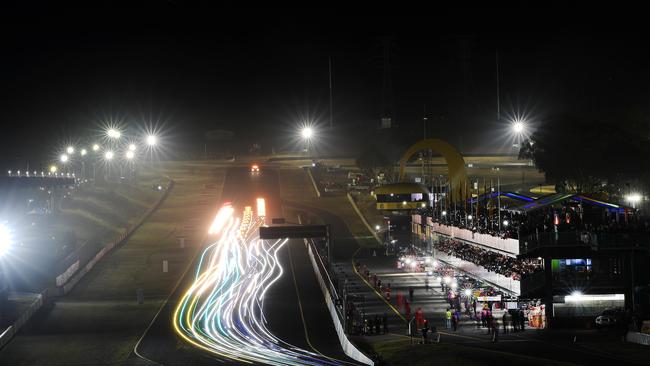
129, 158
95, 152
64, 160
307, 133
83, 153
108, 156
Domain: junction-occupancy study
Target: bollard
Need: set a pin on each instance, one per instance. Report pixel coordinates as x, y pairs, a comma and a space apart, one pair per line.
165, 266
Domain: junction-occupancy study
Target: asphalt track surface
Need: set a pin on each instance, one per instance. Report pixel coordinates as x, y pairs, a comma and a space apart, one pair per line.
294, 307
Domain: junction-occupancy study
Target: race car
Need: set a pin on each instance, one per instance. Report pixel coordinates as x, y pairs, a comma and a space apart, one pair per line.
255, 168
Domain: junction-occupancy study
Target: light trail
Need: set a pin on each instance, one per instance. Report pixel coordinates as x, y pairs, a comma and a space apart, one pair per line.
222, 311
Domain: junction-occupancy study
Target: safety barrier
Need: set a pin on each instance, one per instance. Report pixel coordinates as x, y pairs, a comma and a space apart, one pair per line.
65, 276
313, 182
636, 337
348, 348
9, 333
73, 280
363, 218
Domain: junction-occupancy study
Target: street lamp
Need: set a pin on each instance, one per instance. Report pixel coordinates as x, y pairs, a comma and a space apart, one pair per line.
307, 133
64, 159
113, 133
108, 156
152, 140
633, 199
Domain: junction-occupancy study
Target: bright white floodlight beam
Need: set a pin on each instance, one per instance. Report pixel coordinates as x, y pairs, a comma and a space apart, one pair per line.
5, 240
130, 155
64, 158
307, 133
152, 140
70, 150
113, 133
518, 127
95, 147
83, 152
634, 198
108, 155
131, 147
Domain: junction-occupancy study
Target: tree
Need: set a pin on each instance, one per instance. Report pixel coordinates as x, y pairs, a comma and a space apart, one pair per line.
587, 156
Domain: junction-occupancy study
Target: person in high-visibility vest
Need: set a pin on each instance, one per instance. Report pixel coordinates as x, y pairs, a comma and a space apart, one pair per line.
448, 319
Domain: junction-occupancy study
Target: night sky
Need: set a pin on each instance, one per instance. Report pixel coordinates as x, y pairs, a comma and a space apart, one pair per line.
259, 72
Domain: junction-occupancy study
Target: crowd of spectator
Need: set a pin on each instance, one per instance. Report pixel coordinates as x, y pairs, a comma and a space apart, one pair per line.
492, 261
564, 217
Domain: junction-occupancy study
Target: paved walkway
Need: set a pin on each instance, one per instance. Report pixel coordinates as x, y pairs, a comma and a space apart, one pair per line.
432, 301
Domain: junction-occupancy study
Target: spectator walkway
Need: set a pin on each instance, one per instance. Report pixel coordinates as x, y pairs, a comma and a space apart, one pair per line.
432, 301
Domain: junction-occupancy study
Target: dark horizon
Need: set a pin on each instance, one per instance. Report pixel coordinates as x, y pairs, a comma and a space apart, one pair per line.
66, 71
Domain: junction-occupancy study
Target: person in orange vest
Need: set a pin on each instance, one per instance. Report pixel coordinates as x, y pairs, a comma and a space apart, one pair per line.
419, 317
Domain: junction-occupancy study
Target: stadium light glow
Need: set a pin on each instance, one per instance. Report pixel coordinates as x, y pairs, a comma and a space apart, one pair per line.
131, 147
152, 140
95, 147
589, 298
633, 198
64, 158
467, 292
70, 150
83, 152
377, 227
307, 133
6, 239
53, 168
113, 133
130, 154
518, 127
109, 155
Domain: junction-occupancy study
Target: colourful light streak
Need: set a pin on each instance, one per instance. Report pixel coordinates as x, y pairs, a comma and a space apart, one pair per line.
222, 311
261, 207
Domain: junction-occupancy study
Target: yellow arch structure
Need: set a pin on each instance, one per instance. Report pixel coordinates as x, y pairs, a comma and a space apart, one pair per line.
455, 162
